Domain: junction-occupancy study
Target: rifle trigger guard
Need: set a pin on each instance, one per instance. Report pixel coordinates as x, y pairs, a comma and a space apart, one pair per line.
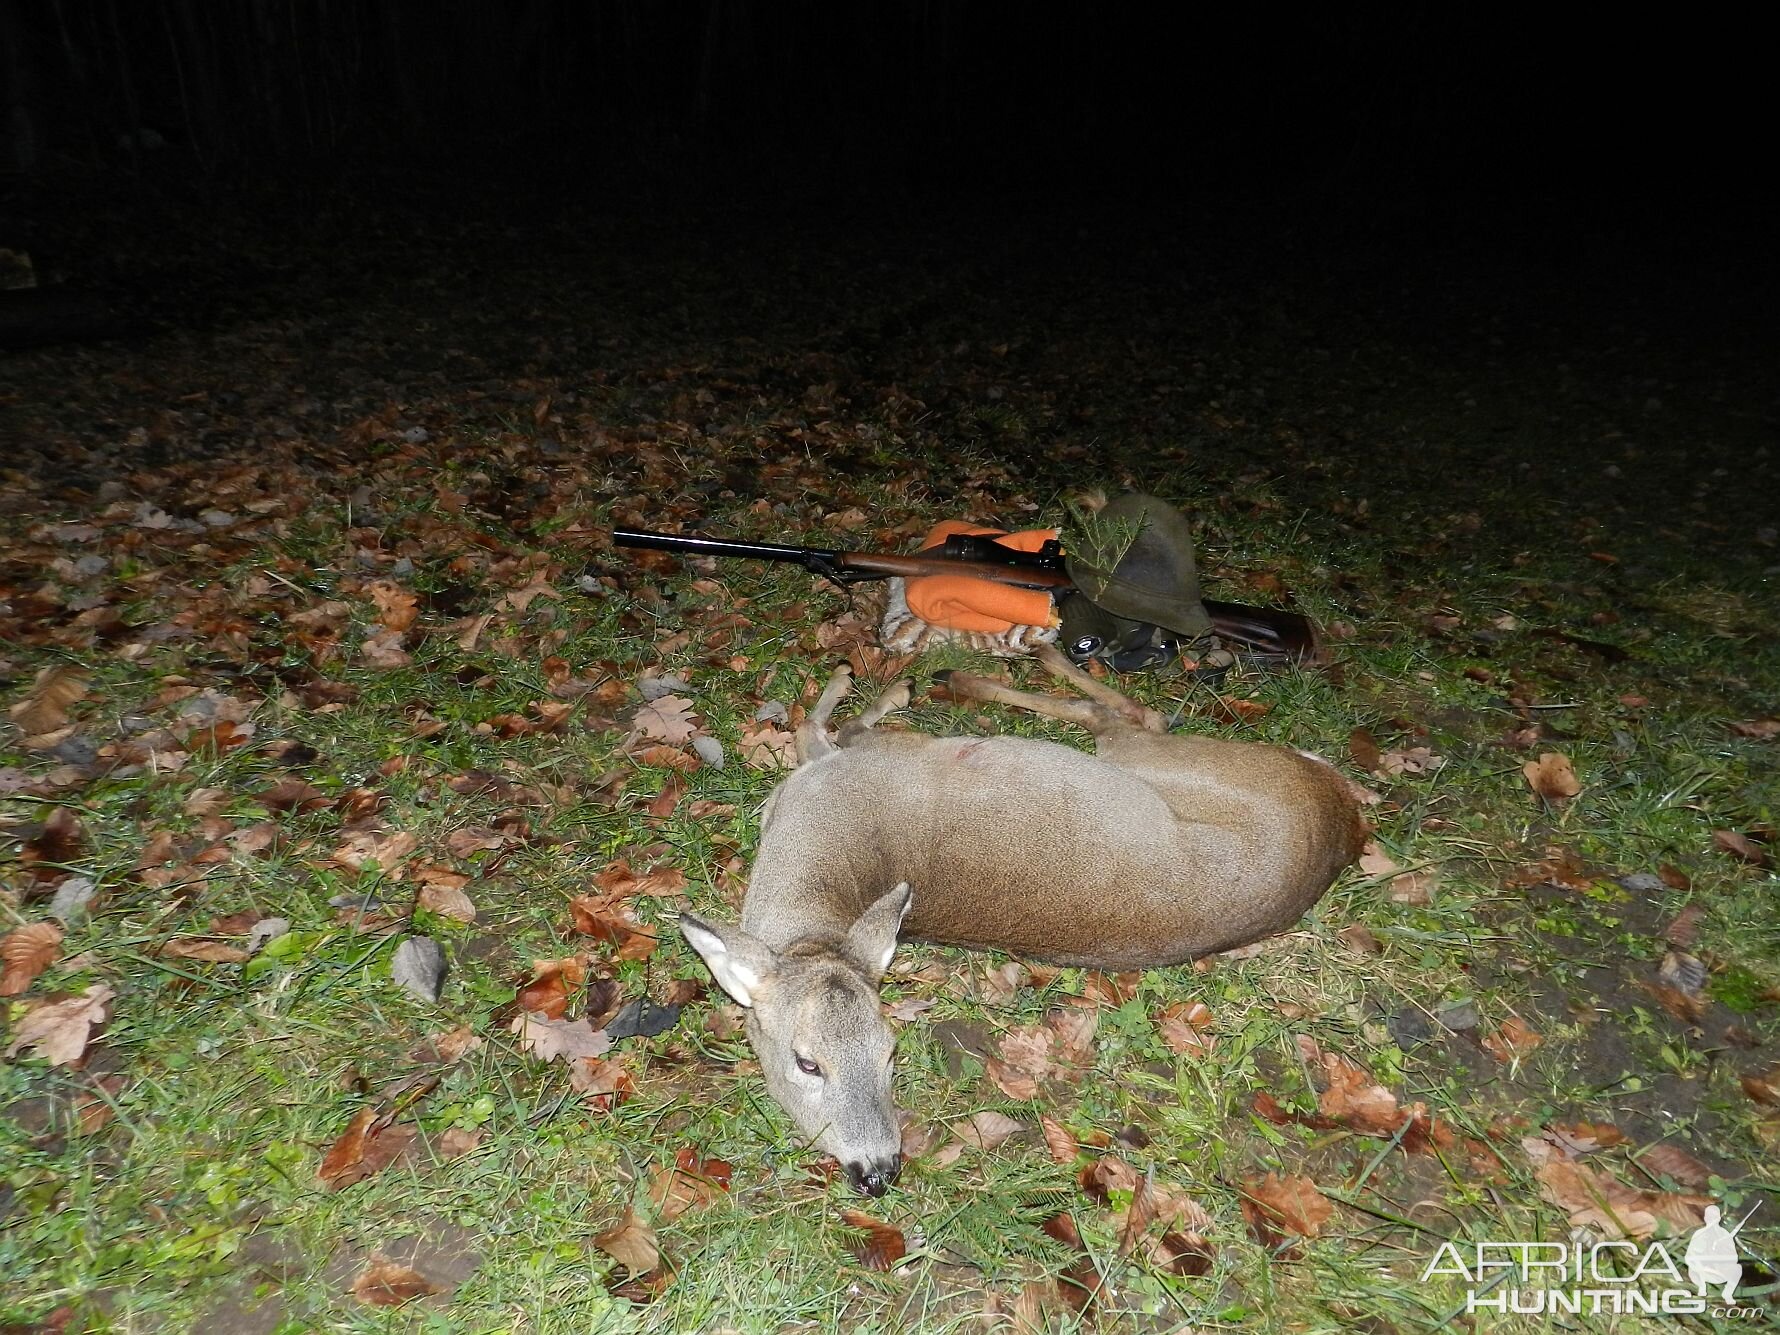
825, 568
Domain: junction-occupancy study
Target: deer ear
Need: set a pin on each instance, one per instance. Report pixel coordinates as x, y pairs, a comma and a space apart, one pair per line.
872, 939
739, 962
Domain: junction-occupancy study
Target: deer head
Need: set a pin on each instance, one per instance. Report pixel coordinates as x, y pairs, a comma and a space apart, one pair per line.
818, 1030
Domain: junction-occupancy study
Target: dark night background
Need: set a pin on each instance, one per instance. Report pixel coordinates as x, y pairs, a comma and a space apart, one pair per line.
868, 180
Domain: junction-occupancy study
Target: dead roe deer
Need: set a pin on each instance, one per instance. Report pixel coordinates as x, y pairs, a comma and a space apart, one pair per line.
1156, 849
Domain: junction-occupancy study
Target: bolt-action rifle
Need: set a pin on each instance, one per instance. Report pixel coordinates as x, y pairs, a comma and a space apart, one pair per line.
1256, 633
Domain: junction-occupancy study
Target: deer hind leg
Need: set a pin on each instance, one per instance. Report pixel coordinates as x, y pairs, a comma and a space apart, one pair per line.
889, 701
1127, 709
813, 740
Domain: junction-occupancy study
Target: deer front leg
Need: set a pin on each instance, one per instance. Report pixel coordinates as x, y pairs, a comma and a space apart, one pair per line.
892, 699
812, 735
1127, 709
1083, 713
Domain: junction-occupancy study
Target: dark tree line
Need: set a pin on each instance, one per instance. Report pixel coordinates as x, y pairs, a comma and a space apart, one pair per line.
1073, 98
231, 81
812, 85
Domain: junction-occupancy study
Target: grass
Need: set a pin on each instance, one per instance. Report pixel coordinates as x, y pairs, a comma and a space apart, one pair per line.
197, 1205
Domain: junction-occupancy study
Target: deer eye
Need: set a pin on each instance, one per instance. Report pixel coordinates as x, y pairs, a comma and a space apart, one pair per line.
808, 1067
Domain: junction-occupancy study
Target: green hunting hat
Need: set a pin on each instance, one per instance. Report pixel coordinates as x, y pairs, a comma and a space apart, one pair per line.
1133, 572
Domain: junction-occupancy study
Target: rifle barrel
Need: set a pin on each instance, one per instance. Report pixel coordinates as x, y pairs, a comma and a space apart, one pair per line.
691, 544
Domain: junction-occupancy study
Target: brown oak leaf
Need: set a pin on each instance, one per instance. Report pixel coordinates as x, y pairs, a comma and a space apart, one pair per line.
25, 952
667, 719
550, 1040
59, 1031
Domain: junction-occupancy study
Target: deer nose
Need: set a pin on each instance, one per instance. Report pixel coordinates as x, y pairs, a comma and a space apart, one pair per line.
875, 1179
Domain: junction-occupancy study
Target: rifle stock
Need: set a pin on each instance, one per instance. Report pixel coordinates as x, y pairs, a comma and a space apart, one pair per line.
1265, 632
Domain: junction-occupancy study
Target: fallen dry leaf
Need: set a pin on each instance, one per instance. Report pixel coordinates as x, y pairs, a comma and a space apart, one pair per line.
1762, 729
256, 838
61, 841
1672, 1161
1293, 1203
59, 1031
1353, 1099
987, 1130
1374, 861
667, 718
614, 924
1362, 748
386, 1283
604, 1084
442, 892
1415, 888
1138, 1200
1074, 1029
883, 1244
1060, 1141
552, 982
96, 1105
1110, 989
369, 1144
919, 1139
550, 1039
1001, 981
451, 1046
1552, 777
384, 651
630, 1242
1606, 1206
1685, 927
1741, 847
538, 586
1511, 1040
397, 608
25, 952
1185, 1027
767, 747
1764, 1088
1237, 709
455, 1141
909, 1009
1688, 1007
692, 1182
1185, 1253
1410, 760
462, 844
1025, 1061
207, 952
618, 881
205, 801
1679, 969
1575, 1139
357, 805
387, 849
44, 707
